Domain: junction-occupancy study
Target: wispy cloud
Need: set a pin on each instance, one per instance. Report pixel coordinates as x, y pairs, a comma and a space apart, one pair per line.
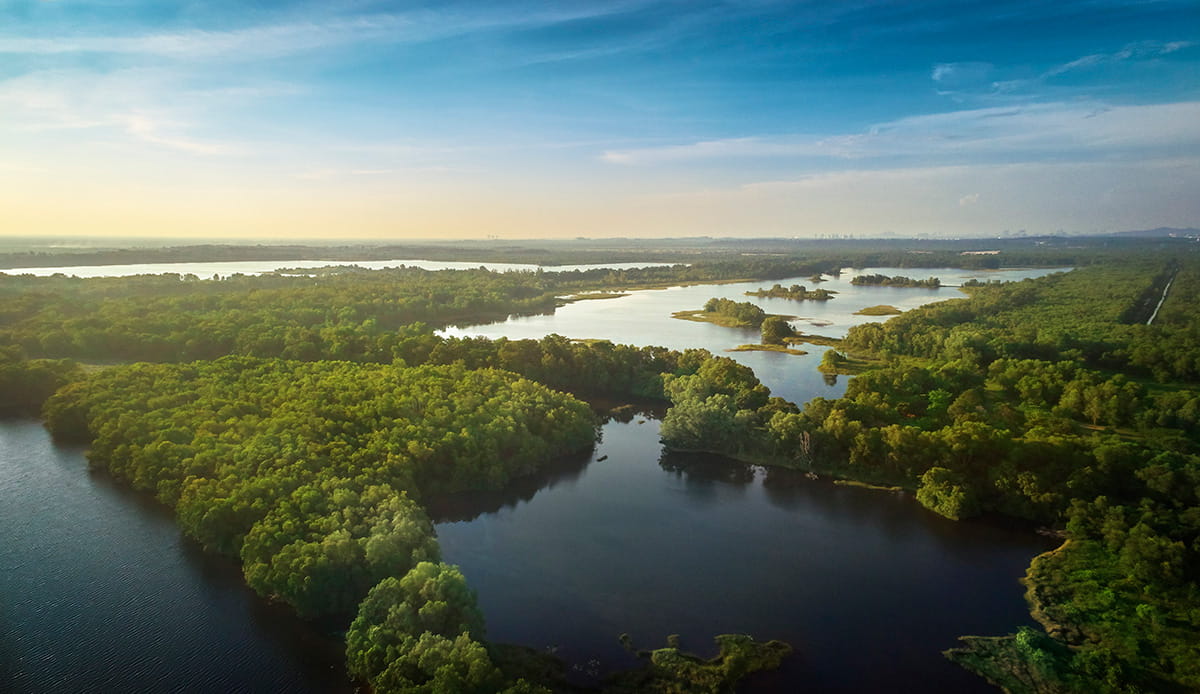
142, 104
251, 42
985, 83
1013, 133
155, 132
1142, 50
294, 37
947, 200
954, 74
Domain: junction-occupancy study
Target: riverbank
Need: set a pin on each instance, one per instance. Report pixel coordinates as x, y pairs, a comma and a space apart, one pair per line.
767, 348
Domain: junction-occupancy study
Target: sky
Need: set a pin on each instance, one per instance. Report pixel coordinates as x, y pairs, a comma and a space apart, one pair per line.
625, 118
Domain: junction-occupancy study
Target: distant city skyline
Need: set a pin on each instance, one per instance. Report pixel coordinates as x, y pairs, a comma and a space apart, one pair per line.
394, 120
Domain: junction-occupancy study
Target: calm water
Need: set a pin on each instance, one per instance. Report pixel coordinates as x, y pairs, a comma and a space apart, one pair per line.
100, 593
258, 267
644, 318
867, 586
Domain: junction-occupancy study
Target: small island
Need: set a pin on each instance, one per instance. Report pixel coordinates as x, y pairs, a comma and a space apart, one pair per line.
796, 292
777, 333
729, 313
897, 281
880, 310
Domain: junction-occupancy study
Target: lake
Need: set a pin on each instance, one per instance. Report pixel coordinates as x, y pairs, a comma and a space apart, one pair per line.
644, 318
101, 593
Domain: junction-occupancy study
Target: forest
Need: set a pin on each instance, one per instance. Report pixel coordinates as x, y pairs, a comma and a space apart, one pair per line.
298, 423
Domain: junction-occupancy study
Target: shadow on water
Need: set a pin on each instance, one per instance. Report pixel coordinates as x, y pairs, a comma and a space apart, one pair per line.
699, 469
315, 648
467, 506
895, 514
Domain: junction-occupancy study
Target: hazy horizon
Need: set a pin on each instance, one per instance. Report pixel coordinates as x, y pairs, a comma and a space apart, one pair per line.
407, 122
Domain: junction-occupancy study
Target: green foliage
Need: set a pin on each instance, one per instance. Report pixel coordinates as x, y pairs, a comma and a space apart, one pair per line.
736, 313
304, 468
324, 546
942, 492
775, 330
420, 633
897, 281
831, 361
28, 383
719, 408
796, 292
434, 664
672, 671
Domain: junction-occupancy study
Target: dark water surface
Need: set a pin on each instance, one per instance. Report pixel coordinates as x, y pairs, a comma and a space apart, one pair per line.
99, 592
867, 586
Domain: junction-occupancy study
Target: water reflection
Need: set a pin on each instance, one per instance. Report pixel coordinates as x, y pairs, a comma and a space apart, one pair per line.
866, 585
697, 469
467, 506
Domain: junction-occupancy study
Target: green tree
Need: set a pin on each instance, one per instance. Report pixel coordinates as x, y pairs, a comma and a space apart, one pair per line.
942, 492
775, 329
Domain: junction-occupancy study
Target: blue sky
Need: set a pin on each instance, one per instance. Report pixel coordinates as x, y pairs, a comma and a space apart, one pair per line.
520, 119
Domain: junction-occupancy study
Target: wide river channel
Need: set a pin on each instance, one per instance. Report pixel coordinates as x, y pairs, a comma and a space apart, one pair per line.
98, 591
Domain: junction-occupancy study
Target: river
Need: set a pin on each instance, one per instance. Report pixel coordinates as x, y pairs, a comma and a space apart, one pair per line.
99, 592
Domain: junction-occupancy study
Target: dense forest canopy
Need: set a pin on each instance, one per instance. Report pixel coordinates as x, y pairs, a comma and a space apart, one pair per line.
298, 422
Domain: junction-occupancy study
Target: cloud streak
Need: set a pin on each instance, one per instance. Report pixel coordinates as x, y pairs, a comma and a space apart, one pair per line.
1142, 50
1019, 132
236, 44
295, 37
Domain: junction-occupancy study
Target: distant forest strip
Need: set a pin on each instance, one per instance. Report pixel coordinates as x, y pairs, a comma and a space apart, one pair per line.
897, 281
796, 292
1033, 252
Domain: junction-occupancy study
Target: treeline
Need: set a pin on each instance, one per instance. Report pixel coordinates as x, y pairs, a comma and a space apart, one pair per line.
897, 281
1014, 252
796, 292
